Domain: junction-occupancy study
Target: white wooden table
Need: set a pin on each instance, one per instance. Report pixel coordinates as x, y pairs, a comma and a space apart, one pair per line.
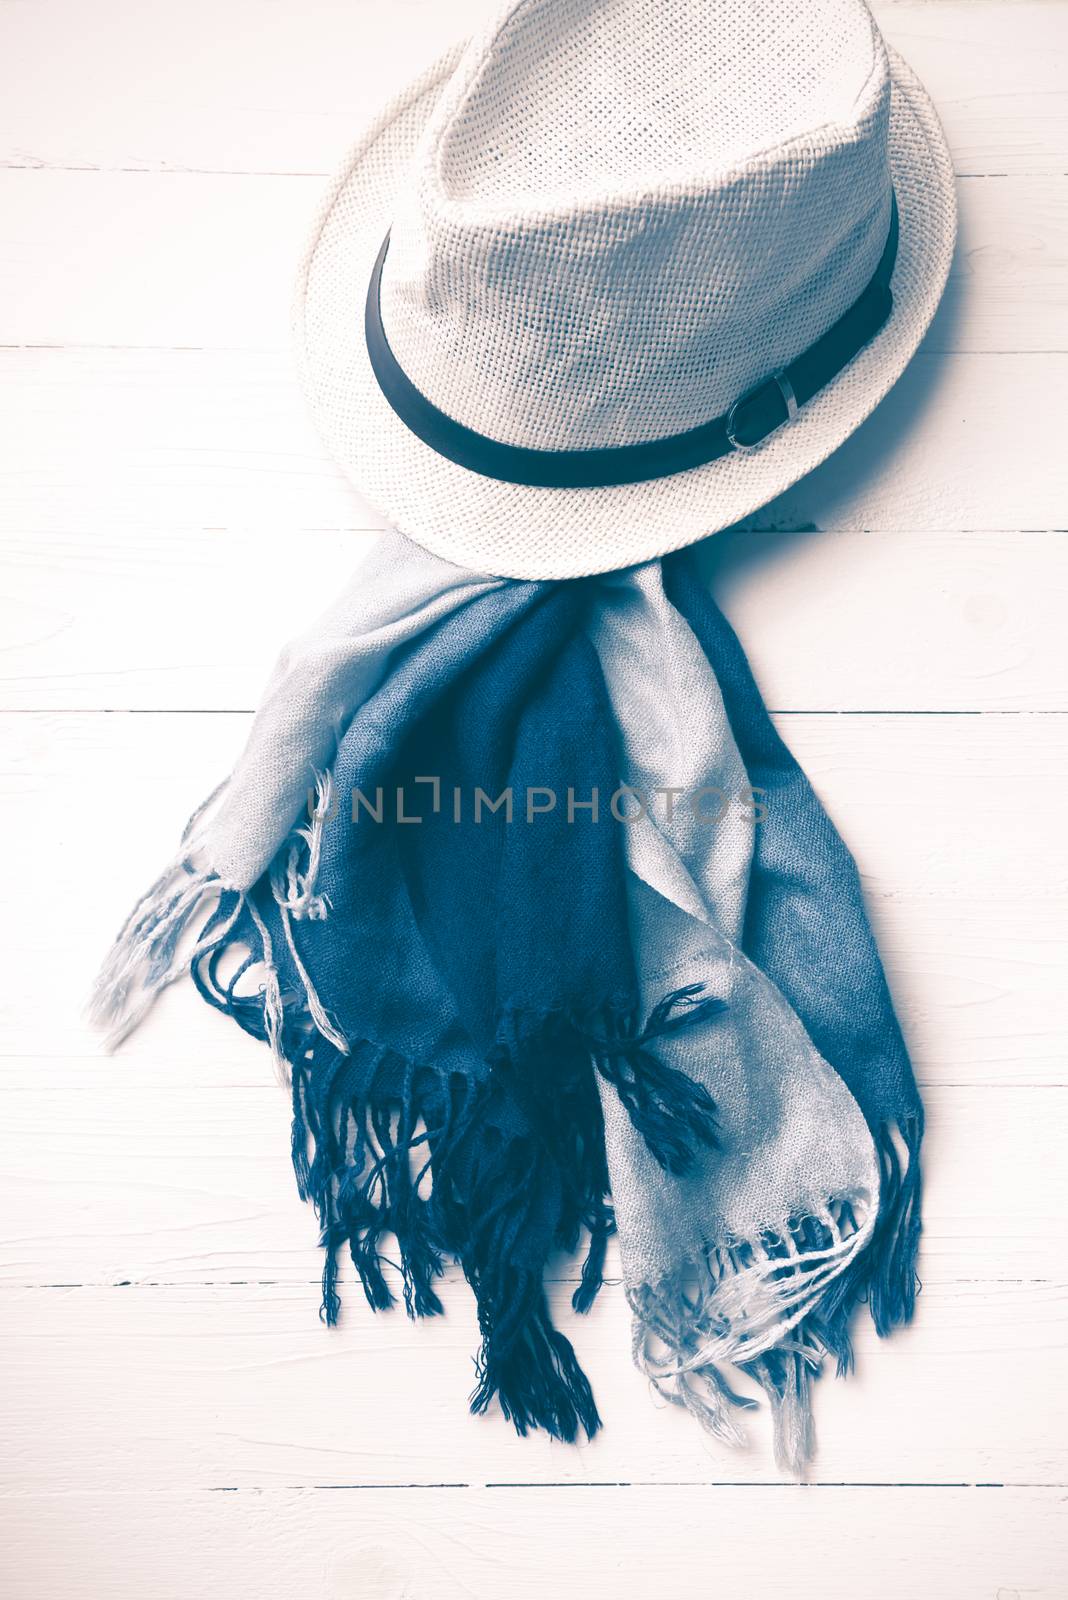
176, 1421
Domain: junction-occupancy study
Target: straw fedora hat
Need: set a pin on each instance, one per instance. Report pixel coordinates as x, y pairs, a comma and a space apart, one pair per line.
615, 273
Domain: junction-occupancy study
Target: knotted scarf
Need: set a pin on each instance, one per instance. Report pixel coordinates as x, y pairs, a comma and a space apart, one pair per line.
551, 938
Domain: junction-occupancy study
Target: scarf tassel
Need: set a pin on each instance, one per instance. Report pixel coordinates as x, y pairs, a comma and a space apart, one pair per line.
761, 1306
884, 1274
674, 1114
362, 1154
793, 1294
894, 1283
602, 1225
526, 1363
547, 1058
534, 1376
147, 955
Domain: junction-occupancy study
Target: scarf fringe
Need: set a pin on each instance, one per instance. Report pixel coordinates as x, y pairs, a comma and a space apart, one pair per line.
372, 1192
786, 1376
147, 953
369, 1134
602, 1224
894, 1282
773, 1307
296, 867
756, 1305
536, 1377
674, 1114
483, 1190
547, 1057
527, 1363
876, 1264
358, 1144
545, 1062
883, 1274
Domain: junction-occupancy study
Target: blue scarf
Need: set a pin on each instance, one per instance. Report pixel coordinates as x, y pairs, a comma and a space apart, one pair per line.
450, 955
806, 927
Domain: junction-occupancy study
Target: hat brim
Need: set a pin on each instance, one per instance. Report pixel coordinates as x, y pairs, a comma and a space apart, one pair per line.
515, 531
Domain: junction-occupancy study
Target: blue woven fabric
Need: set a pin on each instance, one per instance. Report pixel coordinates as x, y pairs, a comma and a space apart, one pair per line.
473, 964
462, 957
807, 928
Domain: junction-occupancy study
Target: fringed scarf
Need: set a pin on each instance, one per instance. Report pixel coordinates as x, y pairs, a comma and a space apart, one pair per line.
551, 937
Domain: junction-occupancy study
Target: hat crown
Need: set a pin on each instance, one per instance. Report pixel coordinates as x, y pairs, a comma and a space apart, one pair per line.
625, 213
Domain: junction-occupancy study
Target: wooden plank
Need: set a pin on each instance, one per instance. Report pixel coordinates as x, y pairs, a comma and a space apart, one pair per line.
279, 90
976, 1010
179, 618
1013, 231
200, 440
993, 71
167, 619
207, 260
210, 440
149, 1181
471, 1543
951, 819
822, 617
149, 259
285, 90
241, 1385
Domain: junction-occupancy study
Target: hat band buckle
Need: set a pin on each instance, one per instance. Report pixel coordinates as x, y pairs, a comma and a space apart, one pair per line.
786, 390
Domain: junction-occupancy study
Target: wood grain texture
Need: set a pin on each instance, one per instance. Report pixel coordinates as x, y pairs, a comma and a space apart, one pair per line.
251, 87
176, 1420
178, 1183
143, 619
461, 1542
207, 1386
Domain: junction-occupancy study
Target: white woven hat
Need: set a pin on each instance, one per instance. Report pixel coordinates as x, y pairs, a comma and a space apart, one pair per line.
595, 227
